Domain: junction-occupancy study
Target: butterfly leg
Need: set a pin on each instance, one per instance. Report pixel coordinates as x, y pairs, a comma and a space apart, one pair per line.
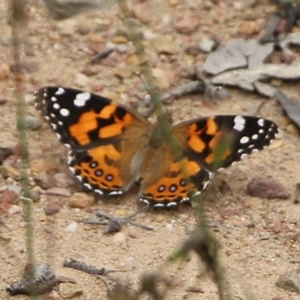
115, 224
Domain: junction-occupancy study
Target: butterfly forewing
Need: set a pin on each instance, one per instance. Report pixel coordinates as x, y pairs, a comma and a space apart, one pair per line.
82, 119
219, 141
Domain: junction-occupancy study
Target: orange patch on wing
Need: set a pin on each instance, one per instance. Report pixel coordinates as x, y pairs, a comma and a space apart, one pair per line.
115, 129
86, 123
210, 158
196, 143
127, 118
99, 154
190, 167
108, 150
185, 169
180, 192
214, 143
108, 111
111, 130
220, 149
211, 126
193, 128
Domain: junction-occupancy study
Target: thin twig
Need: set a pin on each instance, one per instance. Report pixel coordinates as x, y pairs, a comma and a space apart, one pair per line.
19, 26
81, 266
96, 58
115, 224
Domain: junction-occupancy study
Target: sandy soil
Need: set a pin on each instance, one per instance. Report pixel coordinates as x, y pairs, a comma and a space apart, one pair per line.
252, 232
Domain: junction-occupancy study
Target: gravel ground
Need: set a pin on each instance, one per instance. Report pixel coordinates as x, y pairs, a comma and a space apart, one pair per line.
258, 237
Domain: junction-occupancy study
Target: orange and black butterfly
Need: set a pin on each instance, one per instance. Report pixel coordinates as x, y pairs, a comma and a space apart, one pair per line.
113, 146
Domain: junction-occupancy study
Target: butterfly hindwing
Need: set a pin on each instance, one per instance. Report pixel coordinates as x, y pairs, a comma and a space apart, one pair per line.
180, 181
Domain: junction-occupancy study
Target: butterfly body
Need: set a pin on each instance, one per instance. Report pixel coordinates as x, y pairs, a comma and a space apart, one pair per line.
114, 147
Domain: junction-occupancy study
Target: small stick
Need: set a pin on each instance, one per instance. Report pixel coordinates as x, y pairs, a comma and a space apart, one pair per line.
96, 58
81, 266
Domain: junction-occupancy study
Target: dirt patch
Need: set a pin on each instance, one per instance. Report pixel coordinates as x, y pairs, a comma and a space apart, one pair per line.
255, 234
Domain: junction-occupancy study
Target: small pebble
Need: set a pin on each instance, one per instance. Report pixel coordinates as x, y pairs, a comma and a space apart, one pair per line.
42, 165
15, 188
267, 188
119, 238
59, 192
8, 171
4, 71
164, 44
207, 45
14, 209
289, 281
72, 227
52, 208
297, 193
10, 197
44, 180
174, 2
81, 200
69, 290
64, 180
81, 80
187, 24
248, 28
141, 12
31, 122
5, 236
5, 152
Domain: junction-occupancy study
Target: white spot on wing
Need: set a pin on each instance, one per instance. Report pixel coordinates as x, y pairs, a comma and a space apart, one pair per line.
53, 99
261, 122
81, 99
145, 201
244, 140
79, 178
87, 185
171, 204
254, 137
115, 193
98, 192
56, 106
244, 155
60, 91
64, 112
239, 123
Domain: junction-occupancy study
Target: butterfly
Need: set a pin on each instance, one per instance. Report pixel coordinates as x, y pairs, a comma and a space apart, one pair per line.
113, 147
